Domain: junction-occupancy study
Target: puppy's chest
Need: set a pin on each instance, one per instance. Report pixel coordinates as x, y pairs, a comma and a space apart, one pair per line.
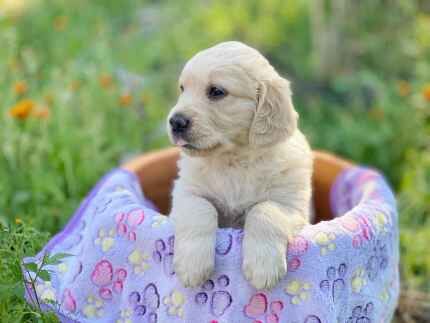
233, 192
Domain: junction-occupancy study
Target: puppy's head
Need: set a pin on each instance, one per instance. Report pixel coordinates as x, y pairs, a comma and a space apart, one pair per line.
230, 96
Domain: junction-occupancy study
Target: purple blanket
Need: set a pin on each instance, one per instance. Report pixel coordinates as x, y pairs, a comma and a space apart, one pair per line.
344, 270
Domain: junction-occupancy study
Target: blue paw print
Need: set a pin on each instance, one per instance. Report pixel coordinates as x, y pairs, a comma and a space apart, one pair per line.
335, 284
219, 300
361, 314
163, 254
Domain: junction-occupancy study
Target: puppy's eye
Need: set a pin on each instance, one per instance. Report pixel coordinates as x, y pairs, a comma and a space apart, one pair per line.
181, 87
216, 93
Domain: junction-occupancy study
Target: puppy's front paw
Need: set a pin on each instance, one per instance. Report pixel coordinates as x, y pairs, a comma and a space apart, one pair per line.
194, 261
264, 263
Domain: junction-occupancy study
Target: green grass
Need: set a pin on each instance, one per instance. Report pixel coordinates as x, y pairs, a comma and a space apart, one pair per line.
62, 49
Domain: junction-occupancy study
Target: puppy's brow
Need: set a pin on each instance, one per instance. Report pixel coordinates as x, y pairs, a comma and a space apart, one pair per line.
233, 79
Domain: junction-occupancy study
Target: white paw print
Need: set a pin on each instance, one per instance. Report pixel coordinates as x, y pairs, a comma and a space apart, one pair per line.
358, 280
174, 303
298, 290
94, 307
139, 261
159, 220
325, 241
106, 239
46, 292
125, 316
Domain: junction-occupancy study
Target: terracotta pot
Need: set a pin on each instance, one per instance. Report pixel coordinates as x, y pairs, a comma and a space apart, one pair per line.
157, 170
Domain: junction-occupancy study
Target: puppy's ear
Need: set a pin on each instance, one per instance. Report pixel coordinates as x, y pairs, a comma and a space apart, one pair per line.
275, 118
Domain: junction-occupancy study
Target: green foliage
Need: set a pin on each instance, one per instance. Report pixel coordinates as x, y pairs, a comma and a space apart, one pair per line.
363, 97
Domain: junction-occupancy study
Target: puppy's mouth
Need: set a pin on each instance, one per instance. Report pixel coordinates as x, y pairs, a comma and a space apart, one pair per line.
194, 149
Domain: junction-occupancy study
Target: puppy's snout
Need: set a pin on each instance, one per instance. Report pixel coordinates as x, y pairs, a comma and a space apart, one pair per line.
179, 123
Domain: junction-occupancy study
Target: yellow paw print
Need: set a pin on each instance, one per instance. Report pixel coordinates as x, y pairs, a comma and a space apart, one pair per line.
159, 220
381, 222
120, 188
385, 294
325, 241
358, 280
106, 239
46, 292
94, 307
125, 316
299, 291
62, 268
139, 261
174, 303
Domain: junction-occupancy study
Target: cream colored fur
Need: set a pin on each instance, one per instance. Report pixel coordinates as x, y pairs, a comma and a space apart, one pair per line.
251, 166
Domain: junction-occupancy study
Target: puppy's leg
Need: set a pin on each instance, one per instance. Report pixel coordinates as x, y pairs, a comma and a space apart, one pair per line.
195, 222
265, 241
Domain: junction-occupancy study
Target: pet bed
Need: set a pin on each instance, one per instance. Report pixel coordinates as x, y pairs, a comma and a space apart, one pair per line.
342, 269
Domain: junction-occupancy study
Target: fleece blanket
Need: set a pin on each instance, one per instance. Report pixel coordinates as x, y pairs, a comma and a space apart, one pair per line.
120, 268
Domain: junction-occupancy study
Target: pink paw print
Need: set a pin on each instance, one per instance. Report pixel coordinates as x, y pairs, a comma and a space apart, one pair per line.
359, 226
107, 279
259, 309
126, 223
69, 302
297, 246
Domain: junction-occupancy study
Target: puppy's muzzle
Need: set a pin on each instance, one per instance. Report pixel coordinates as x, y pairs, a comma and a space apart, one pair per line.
179, 124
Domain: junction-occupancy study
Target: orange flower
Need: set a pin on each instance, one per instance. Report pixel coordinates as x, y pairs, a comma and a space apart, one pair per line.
125, 99
376, 113
106, 80
404, 88
22, 109
426, 92
41, 113
20, 87
75, 85
60, 23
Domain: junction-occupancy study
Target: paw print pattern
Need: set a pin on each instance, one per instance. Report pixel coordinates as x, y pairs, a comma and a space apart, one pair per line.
159, 220
360, 226
174, 303
139, 261
384, 295
163, 254
45, 291
361, 314
334, 285
326, 242
358, 280
220, 299
297, 245
299, 291
312, 319
378, 260
125, 316
145, 303
68, 302
107, 280
102, 205
381, 222
105, 239
126, 223
259, 309
93, 307
224, 243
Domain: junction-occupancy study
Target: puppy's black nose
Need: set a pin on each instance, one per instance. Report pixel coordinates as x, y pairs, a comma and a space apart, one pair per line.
179, 123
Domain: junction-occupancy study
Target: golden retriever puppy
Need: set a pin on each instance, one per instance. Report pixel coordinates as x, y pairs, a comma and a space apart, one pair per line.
244, 163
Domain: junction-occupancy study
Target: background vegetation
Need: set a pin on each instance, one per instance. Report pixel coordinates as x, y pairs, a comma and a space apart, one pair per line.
85, 83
